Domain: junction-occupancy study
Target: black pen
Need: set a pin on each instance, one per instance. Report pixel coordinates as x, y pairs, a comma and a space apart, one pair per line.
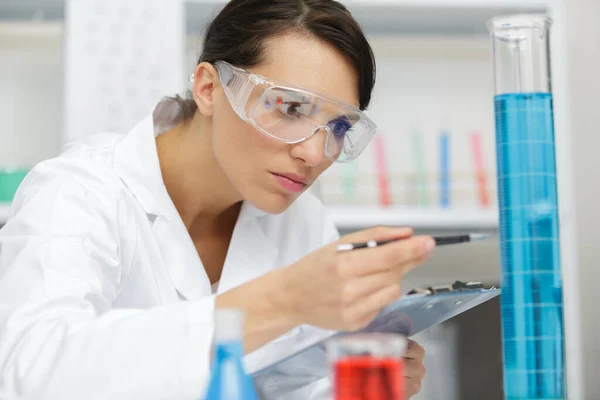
439, 241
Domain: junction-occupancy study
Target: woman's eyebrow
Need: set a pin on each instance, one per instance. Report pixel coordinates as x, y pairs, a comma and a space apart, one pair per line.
345, 118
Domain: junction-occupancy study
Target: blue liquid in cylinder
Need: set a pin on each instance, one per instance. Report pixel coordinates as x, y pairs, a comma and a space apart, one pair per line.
531, 300
229, 380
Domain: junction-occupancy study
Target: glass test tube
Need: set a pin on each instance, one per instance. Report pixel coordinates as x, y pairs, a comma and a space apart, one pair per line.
368, 366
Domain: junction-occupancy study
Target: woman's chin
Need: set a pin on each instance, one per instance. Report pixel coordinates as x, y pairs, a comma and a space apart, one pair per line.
274, 203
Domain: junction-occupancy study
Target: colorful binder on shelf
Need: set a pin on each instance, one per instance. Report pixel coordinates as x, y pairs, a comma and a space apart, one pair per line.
480, 174
383, 183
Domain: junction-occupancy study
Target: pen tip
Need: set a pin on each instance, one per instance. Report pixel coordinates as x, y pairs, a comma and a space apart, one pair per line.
479, 236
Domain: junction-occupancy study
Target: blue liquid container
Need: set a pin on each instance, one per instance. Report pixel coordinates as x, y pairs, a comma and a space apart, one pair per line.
531, 301
229, 380
531, 281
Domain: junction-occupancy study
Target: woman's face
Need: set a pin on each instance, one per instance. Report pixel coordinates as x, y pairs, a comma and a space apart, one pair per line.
269, 173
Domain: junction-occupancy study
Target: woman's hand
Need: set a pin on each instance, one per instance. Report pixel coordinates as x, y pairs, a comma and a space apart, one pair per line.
347, 290
414, 371
342, 291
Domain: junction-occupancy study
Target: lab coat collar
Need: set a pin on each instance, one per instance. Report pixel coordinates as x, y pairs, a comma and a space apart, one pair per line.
251, 251
136, 162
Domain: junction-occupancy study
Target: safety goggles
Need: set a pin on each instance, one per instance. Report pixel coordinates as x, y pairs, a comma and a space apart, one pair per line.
292, 114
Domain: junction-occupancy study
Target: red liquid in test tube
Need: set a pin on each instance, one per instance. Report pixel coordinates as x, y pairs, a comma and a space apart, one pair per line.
369, 378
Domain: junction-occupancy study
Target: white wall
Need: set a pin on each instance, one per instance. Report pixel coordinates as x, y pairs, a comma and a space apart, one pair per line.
121, 58
584, 87
31, 93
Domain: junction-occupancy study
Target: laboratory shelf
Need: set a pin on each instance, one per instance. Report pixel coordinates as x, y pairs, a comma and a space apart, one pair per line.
32, 9
454, 17
457, 17
361, 217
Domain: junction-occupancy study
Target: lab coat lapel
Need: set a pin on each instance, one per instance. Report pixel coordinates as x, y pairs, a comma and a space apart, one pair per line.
181, 259
251, 252
136, 162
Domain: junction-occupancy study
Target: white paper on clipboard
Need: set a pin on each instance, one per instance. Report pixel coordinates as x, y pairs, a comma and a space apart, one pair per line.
409, 315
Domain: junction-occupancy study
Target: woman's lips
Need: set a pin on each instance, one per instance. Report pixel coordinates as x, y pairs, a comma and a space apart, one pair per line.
291, 182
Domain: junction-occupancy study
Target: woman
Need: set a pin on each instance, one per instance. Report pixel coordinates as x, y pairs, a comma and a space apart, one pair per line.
118, 251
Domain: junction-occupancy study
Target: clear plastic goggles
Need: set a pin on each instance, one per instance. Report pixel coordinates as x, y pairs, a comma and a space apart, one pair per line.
292, 115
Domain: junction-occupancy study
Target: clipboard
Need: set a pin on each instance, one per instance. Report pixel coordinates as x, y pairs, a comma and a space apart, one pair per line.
410, 314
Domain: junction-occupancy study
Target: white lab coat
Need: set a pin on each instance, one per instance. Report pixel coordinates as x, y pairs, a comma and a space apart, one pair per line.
102, 292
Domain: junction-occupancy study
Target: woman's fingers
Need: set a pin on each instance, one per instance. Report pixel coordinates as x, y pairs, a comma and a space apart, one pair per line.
371, 305
363, 287
414, 370
415, 351
412, 387
404, 254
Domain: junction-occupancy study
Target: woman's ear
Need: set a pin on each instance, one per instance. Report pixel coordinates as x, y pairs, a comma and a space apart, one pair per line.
205, 82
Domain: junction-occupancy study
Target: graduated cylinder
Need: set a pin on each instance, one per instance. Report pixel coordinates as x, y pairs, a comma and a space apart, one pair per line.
531, 300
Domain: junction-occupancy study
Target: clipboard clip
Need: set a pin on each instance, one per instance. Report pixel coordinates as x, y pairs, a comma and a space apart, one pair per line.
457, 286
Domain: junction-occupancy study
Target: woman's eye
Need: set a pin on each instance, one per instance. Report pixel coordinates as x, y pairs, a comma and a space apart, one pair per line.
339, 127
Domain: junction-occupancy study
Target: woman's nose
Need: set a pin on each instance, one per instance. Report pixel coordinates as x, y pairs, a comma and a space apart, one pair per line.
312, 150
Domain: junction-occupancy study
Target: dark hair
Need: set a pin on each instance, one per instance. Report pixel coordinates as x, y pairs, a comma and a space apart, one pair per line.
238, 33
